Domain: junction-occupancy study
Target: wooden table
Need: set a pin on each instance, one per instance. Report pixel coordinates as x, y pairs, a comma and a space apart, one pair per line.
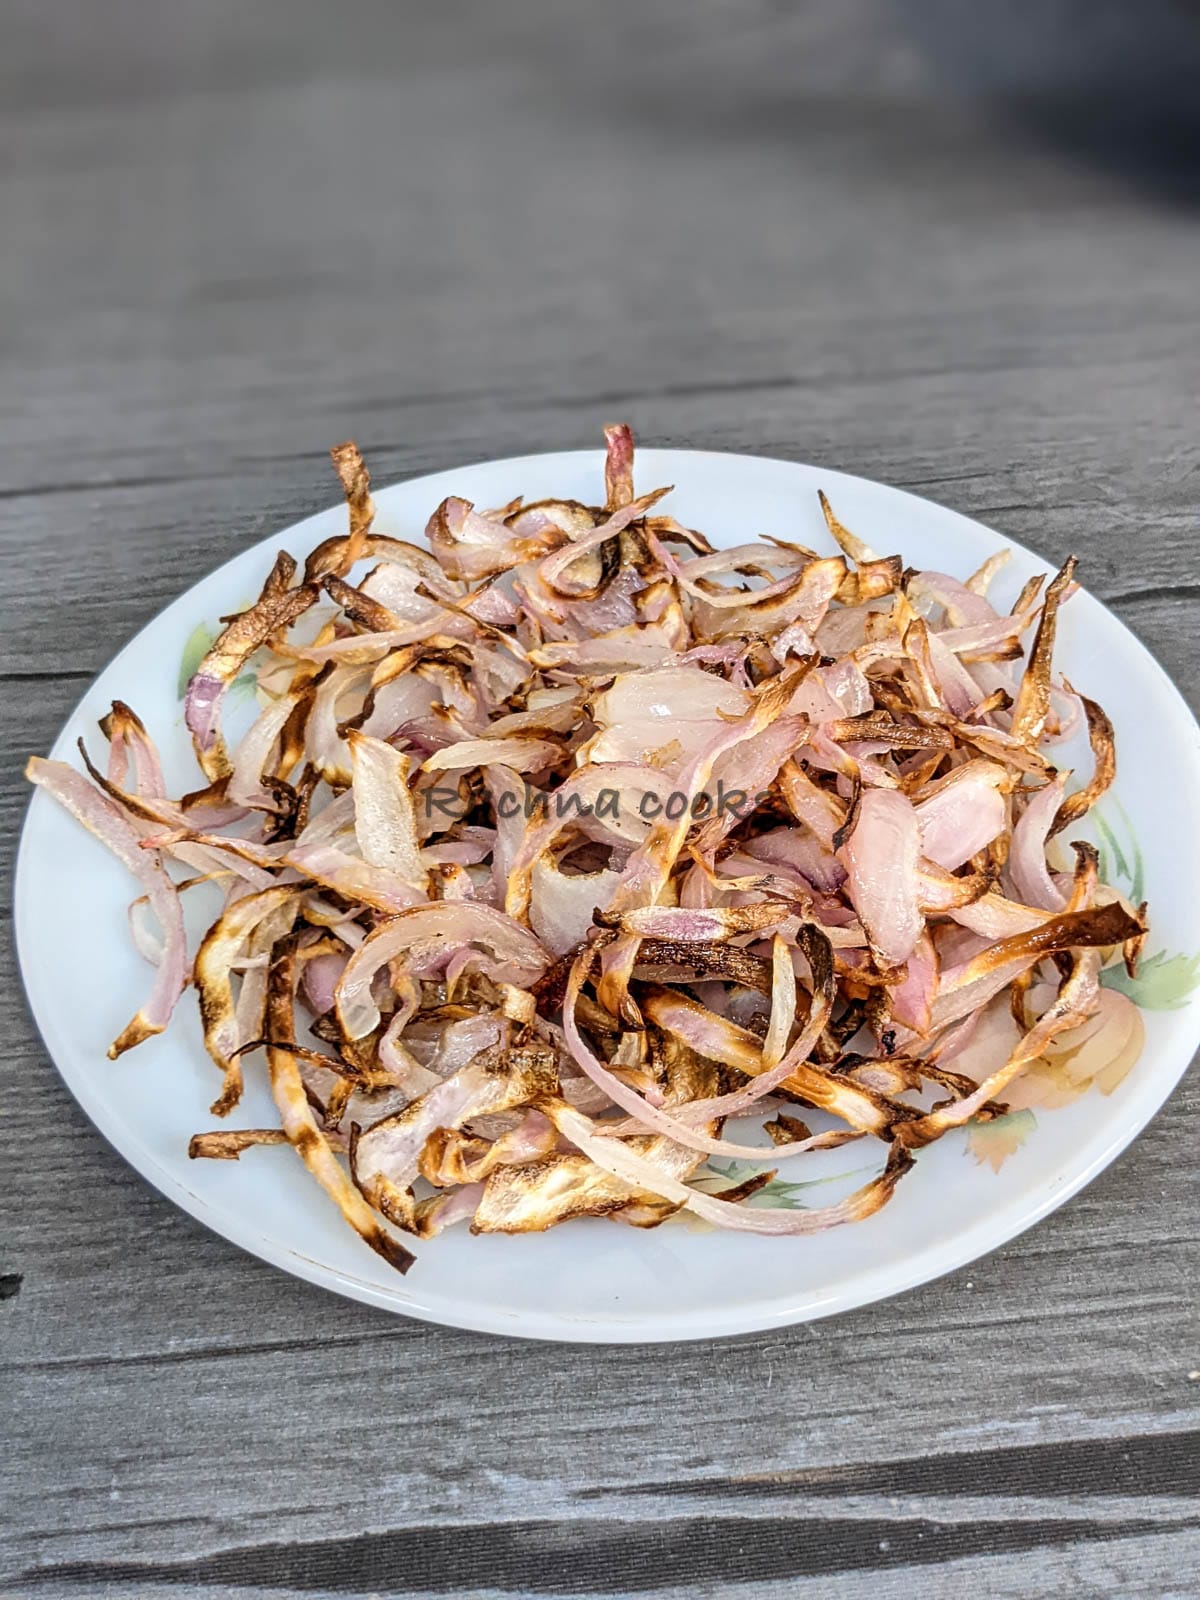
235, 234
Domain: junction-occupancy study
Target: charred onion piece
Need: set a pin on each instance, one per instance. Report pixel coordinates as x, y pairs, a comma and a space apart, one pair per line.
300, 1125
275, 610
228, 1144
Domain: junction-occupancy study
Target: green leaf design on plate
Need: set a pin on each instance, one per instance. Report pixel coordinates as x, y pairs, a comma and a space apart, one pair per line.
1120, 858
1163, 982
243, 688
776, 1193
1121, 862
199, 642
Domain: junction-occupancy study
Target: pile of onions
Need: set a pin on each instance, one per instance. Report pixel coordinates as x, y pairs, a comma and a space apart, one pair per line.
558, 846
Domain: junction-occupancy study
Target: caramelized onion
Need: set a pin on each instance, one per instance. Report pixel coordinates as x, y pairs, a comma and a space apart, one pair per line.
553, 848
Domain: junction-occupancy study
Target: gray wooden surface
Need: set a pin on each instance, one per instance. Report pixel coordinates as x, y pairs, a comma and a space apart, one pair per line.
232, 234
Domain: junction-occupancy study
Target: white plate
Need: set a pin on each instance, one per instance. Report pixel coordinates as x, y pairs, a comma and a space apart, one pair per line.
593, 1280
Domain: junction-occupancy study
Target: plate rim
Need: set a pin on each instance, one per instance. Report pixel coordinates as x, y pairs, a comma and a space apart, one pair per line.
867, 1287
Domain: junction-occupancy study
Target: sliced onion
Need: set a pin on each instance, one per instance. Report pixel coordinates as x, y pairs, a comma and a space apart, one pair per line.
222, 945
428, 938
254, 752
963, 813
602, 801
1076, 1001
102, 819
623, 1162
130, 746
519, 755
712, 926
276, 609
299, 1123
912, 1000
385, 1158
472, 546
562, 907
380, 887
1027, 858
385, 823
652, 706
881, 856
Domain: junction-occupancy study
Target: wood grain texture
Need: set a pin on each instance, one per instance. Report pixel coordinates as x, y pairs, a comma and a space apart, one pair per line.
233, 235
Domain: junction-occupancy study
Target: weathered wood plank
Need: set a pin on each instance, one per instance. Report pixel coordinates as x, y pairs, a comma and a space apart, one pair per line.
962, 1510
1156, 1566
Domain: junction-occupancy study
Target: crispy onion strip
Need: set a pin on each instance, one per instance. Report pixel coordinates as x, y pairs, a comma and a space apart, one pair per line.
723, 1041
650, 865
228, 1143
428, 937
659, 1121
385, 821
102, 818
1076, 1002
968, 986
356, 486
300, 1124
276, 609
1033, 698
1104, 768
616, 1157
220, 948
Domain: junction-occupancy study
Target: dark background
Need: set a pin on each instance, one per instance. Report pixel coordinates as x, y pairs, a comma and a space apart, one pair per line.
951, 246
